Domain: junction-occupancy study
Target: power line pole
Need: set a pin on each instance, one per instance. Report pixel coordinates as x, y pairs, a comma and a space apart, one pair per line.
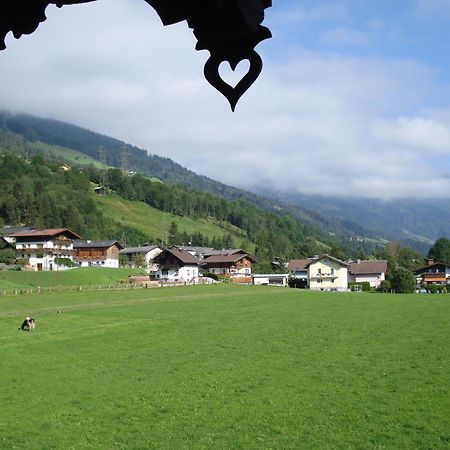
124, 156
102, 158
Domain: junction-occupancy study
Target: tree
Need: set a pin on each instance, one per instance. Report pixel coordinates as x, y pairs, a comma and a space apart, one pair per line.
402, 280
123, 260
440, 251
173, 234
139, 261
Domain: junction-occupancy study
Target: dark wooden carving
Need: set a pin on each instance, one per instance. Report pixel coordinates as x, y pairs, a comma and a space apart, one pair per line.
228, 29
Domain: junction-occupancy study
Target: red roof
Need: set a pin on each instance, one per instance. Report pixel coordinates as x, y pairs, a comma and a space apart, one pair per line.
298, 265
368, 267
48, 232
181, 255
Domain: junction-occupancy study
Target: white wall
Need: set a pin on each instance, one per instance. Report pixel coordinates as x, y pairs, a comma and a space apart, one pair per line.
326, 274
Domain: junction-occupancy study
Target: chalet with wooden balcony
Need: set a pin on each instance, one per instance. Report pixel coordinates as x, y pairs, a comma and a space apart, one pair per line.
46, 249
326, 273
177, 265
235, 264
97, 253
434, 273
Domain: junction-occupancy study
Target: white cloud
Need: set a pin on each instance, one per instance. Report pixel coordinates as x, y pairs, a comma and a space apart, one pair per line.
416, 133
433, 9
343, 36
311, 123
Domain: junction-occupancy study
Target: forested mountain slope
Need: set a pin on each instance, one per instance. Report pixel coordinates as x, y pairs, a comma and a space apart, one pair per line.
414, 222
40, 193
27, 134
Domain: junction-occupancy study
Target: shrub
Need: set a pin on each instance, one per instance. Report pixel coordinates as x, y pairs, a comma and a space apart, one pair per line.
211, 275
385, 286
403, 281
7, 256
64, 262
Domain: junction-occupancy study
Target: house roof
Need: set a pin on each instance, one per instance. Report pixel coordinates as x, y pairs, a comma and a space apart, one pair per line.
298, 265
48, 232
142, 249
423, 269
8, 231
366, 267
95, 244
228, 258
225, 251
183, 256
325, 256
199, 250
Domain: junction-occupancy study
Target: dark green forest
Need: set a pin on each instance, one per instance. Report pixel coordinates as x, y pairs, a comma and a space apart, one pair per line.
17, 131
39, 193
35, 191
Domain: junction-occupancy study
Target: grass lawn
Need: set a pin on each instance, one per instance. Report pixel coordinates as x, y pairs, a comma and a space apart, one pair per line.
218, 367
154, 222
89, 276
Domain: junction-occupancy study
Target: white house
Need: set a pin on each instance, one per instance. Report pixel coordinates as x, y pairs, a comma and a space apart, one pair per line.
46, 249
327, 274
176, 265
147, 252
373, 272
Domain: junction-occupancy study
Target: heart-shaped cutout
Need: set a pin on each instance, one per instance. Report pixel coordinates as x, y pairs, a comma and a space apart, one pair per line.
233, 94
233, 76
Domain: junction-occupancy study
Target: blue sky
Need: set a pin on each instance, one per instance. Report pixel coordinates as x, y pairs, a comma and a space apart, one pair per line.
353, 100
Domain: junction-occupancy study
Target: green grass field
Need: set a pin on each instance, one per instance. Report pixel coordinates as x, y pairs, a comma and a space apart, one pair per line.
221, 367
89, 276
154, 222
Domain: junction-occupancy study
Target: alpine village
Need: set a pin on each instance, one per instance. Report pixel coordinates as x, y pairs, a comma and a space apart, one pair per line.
74, 199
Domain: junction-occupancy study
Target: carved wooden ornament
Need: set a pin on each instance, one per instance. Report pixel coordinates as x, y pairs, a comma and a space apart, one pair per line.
228, 29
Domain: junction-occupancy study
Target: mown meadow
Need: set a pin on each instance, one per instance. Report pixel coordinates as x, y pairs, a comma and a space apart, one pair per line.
225, 367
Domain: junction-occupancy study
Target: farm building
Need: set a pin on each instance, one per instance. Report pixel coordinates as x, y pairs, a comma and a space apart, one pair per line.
97, 253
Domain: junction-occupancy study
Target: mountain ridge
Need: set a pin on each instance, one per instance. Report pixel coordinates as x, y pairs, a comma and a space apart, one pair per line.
350, 218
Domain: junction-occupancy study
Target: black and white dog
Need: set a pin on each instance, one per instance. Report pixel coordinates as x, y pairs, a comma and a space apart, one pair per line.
28, 324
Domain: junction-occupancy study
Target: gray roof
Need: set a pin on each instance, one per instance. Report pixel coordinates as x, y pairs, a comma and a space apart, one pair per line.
325, 256
98, 244
143, 249
6, 231
190, 248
